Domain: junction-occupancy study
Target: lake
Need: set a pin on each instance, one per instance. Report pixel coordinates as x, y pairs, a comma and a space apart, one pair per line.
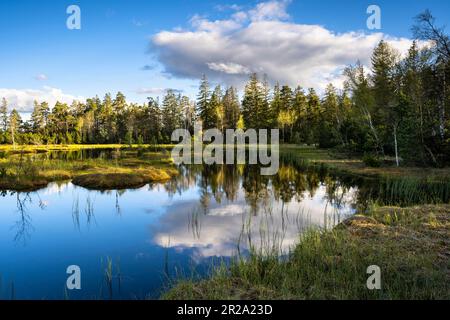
151, 236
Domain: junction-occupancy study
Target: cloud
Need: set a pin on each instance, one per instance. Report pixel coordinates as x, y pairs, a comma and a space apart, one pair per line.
264, 40
156, 91
226, 7
218, 232
22, 99
41, 77
272, 10
229, 68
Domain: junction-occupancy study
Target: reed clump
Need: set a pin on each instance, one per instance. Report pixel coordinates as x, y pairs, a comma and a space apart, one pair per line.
410, 245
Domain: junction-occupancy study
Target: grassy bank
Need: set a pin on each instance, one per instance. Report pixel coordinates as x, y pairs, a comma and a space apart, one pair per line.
356, 166
410, 245
72, 147
32, 168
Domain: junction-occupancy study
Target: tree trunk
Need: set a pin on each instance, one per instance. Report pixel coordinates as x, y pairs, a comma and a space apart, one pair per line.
12, 137
374, 131
396, 146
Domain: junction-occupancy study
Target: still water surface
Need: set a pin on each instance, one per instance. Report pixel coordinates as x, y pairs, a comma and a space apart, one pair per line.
159, 232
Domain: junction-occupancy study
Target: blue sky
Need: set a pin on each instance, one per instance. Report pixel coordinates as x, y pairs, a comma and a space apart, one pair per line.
179, 40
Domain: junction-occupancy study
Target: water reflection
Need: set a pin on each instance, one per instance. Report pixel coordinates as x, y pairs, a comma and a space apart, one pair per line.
23, 226
204, 213
238, 209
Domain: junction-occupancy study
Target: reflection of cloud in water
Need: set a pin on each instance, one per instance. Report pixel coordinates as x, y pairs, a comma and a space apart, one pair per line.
227, 210
56, 188
226, 224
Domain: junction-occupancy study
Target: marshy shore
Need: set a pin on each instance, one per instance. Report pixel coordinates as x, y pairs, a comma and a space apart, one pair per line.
29, 168
410, 245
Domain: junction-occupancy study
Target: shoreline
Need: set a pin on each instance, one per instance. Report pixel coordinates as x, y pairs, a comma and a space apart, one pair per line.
333, 264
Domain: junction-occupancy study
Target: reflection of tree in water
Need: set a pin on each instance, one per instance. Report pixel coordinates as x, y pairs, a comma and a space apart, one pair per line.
312, 183
118, 209
293, 180
289, 183
335, 196
255, 186
23, 226
187, 177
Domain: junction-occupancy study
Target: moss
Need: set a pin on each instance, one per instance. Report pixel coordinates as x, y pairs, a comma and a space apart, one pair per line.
23, 184
109, 181
112, 181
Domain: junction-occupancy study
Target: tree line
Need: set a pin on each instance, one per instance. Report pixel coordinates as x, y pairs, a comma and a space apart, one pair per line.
399, 108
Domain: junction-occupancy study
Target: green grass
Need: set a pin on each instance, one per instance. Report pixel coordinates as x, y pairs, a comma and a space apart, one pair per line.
355, 166
410, 245
132, 167
72, 147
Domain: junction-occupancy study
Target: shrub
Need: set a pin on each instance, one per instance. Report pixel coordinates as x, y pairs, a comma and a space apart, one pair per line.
371, 161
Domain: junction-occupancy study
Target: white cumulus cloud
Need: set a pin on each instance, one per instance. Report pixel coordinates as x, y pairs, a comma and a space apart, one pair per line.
22, 99
265, 40
229, 68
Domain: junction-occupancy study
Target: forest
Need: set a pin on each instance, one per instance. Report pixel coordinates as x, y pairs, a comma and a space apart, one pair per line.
398, 109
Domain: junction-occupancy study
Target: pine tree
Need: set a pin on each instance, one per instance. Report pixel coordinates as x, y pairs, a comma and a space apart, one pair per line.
154, 117
204, 110
286, 117
37, 118
171, 114
106, 125
266, 117
231, 108
329, 123
313, 116
385, 112
217, 109
15, 122
275, 105
299, 106
4, 115
253, 104
120, 106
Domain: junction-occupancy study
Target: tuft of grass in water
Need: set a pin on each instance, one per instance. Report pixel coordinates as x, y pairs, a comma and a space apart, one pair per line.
109, 276
66, 294
410, 245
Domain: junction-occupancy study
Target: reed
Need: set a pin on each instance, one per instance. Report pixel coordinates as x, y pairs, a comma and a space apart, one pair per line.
332, 264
